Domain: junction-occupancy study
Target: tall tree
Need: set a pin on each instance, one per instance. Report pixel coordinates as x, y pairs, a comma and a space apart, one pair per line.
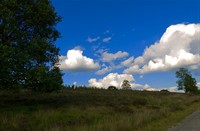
186, 81
28, 54
126, 85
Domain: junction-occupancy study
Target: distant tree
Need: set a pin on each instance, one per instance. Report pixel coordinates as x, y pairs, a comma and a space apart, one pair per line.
126, 85
28, 55
186, 81
112, 88
164, 90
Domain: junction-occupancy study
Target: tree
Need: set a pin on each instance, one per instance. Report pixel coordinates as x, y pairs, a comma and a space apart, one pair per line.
126, 85
28, 54
112, 88
186, 81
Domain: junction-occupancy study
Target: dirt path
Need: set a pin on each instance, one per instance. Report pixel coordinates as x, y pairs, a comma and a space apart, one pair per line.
190, 123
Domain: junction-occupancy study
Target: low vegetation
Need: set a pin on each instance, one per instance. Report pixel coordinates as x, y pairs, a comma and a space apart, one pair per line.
94, 109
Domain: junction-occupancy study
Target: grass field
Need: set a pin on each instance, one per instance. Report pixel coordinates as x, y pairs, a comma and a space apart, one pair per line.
94, 110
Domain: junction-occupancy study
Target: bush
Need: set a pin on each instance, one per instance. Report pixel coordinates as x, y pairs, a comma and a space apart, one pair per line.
112, 88
164, 90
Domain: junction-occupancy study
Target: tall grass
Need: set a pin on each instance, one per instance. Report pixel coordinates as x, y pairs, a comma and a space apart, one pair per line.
89, 110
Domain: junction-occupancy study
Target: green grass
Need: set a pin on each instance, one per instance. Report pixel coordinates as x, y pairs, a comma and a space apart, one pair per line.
89, 110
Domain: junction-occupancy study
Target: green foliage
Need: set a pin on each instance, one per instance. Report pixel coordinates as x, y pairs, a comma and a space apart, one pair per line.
28, 54
112, 88
126, 85
186, 81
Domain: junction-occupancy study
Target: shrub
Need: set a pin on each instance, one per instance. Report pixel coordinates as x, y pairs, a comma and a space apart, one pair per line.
112, 88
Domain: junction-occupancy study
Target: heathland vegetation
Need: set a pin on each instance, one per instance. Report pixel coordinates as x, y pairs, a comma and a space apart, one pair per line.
85, 109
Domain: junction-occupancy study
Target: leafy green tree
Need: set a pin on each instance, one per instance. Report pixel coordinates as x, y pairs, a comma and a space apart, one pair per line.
112, 88
28, 54
126, 85
186, 81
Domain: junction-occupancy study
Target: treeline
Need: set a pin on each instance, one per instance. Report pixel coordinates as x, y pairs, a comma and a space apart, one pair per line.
125, 86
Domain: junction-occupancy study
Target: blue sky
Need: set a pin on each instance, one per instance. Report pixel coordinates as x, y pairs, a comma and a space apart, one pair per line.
108, 32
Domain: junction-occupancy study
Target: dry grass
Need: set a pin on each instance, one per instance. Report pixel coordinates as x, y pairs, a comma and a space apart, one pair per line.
89, 110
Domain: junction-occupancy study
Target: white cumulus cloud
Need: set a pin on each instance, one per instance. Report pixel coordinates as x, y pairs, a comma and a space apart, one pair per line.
112, 79
74, 61
128, 62
108, 57
104, 70
115, 79
178, 47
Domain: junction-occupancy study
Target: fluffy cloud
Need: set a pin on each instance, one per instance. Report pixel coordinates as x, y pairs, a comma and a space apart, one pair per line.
104, 70
115, 79
111, 58
75, 83
178, 47
79, 48
108, 57
175, 89
76, 62
145, 87
128, 62
107, 39
91, 40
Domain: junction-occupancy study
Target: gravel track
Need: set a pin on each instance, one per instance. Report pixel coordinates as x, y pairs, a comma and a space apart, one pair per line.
190, 123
